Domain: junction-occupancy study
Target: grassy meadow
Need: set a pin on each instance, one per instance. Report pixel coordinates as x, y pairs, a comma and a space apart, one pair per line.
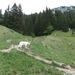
58, 46
17, 63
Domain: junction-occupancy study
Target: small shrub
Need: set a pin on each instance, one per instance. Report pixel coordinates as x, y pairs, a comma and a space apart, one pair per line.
33, 35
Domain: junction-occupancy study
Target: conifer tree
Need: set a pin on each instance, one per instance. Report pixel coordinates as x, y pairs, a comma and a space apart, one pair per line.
16, 20
59, 17
6, 18
1, 18
20, 18
73, 26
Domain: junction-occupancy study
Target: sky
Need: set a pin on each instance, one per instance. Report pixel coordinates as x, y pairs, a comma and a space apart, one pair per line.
32, 6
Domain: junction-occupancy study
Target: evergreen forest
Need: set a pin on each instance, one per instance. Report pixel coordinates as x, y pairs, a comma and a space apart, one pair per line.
37, 24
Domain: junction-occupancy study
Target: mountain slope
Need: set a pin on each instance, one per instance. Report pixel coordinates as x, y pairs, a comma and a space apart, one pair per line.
58, 46
19, 63
7, 34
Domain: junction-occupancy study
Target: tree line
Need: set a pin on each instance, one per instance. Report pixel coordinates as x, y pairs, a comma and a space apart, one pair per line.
37, 24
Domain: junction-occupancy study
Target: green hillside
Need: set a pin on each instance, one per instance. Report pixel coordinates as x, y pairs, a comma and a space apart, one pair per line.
9, 34
19, 63
58, 46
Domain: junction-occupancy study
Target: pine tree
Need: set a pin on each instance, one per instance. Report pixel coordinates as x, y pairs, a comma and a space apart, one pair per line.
59, 17
6, 19
30, 26
0, 13
1, 18
54, 22
15, 16
20, 18
65, 25
73, 26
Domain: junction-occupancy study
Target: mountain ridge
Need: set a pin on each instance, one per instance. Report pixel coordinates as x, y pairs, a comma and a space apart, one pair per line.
64, 8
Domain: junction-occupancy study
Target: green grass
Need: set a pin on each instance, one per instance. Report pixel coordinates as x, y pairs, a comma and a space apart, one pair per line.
19, 63
6, 34
56, 47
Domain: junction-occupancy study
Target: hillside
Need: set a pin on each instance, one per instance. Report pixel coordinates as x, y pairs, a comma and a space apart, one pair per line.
57, 47
9, 34
19, 63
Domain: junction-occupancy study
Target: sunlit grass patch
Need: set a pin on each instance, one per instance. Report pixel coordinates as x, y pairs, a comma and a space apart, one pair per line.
17, 62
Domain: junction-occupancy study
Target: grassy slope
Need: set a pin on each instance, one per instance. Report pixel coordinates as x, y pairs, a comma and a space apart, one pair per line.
17, 63
56, 47
9, 34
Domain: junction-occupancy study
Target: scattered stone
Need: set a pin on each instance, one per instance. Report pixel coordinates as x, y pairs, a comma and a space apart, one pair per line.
68, 67
69, 43
8, 41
